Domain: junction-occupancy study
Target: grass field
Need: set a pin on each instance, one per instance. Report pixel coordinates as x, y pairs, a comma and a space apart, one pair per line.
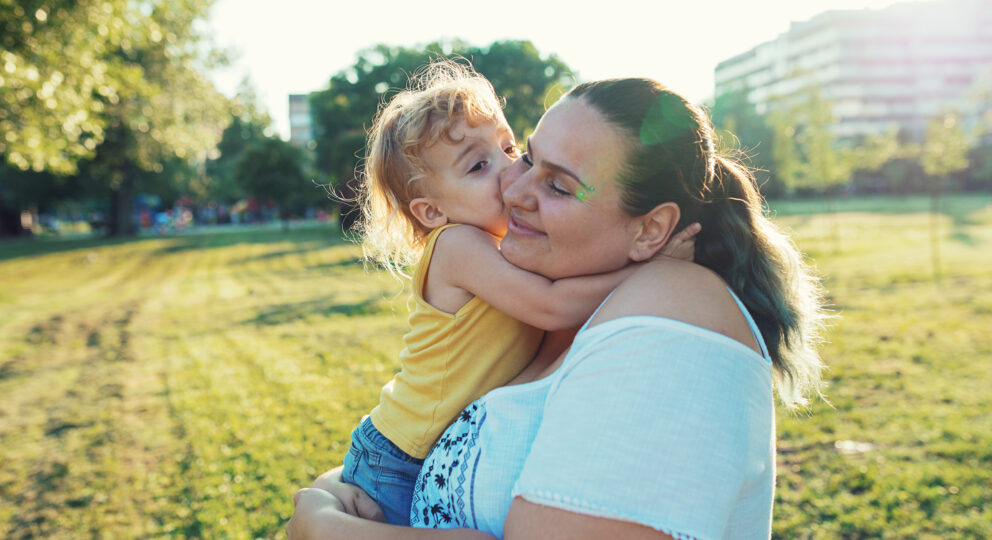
185, 386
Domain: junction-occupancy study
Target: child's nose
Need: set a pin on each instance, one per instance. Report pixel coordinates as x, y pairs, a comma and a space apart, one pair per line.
512, 184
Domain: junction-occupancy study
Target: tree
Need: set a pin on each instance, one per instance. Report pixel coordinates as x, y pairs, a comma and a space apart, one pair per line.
944, 152
272, 170
808, 155
345, 109
740, 127
249, 125
114, 83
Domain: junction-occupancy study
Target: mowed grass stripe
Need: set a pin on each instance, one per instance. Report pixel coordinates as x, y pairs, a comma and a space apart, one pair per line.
84, 383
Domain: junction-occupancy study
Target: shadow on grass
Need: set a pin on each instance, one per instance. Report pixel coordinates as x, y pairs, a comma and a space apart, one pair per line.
319, 236
30, 247
308, 247
323, 307
339, 264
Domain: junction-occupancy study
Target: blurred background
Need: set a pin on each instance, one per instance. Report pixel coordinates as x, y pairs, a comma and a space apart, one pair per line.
189, 333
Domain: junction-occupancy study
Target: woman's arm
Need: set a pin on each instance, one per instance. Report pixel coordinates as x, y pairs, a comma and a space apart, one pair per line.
529, 520
321, 516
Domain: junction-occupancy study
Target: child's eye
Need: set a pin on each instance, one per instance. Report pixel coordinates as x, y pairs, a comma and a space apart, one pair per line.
478, 166
512, 150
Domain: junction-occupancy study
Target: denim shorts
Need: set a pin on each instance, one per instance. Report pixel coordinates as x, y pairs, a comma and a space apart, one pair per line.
385, 472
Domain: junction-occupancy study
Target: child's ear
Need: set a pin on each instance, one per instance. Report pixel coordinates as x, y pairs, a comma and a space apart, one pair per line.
653, 230
427, 213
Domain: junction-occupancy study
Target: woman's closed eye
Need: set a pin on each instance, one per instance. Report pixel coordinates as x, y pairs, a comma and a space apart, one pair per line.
526, 159
557, 189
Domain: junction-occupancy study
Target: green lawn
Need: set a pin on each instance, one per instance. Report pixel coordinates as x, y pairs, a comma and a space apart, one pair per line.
185, 386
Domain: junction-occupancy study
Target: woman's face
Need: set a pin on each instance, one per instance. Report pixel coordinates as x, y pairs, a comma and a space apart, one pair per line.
563, 198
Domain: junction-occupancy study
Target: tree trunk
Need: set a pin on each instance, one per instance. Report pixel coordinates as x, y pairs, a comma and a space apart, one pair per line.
935, 228
122, 206
834, 226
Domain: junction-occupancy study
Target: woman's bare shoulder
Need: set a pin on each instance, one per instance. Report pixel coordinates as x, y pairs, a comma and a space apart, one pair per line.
682, 291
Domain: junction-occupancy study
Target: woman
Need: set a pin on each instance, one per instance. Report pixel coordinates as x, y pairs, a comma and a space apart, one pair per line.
658, 422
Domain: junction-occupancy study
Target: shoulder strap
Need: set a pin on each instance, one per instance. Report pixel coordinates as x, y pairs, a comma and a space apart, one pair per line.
753, 325
599, 307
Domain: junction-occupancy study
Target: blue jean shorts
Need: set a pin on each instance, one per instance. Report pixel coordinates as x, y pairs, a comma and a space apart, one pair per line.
385, 472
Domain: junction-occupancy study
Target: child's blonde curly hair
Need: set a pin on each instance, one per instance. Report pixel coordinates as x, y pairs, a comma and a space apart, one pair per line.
436, 98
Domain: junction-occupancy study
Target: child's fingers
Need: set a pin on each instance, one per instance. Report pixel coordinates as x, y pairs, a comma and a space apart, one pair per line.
367, 508
688, 232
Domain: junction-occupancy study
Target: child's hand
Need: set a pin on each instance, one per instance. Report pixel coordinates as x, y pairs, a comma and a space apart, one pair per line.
682, 245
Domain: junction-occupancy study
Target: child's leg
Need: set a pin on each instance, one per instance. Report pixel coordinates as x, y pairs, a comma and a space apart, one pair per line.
384, 471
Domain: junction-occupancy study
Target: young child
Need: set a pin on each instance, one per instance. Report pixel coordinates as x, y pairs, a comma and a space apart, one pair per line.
431, 198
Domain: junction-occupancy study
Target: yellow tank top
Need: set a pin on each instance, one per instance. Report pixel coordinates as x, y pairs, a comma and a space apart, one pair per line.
449, 361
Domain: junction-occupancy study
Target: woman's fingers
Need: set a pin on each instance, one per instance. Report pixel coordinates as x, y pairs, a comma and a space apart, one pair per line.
352, 498
313, 508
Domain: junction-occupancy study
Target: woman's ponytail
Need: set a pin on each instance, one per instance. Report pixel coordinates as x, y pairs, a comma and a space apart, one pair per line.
766, 270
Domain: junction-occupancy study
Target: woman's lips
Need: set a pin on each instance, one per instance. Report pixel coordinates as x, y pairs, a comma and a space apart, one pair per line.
520, 227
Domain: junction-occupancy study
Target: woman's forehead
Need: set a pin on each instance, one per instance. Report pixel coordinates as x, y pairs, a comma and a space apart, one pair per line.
575, 135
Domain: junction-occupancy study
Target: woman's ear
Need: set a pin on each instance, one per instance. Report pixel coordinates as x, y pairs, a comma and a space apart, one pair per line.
427, 213
654, 229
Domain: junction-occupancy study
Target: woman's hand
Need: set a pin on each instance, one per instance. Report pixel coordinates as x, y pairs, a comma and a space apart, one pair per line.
352, 498
314, 515
682, 245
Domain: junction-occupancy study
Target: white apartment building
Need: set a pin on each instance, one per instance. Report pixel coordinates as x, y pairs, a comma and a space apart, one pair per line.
301, 129
893, 67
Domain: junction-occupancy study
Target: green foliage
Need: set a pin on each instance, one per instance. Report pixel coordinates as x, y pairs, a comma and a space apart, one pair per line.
248, 126
806, 153
945, 149
59, 72
271, 169
741, 129
73, 70
186, 386
345, 109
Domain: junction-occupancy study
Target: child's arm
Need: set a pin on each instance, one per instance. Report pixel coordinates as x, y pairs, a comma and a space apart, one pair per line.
468, 258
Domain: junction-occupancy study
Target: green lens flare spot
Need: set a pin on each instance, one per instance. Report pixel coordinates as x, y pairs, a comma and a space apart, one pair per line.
583, 195
667, 119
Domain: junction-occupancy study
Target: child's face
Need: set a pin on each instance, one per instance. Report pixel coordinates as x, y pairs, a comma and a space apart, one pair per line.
465, 183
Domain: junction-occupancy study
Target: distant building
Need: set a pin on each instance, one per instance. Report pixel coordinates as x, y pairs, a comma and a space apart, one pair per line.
894, 67
301, 129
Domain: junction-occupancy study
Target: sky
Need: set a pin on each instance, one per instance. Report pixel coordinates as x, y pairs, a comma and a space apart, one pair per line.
294, 46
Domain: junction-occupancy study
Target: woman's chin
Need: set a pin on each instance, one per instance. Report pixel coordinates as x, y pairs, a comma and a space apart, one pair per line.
517, 253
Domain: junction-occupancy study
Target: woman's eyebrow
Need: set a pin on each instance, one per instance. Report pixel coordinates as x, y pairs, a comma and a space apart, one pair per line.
554, 166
